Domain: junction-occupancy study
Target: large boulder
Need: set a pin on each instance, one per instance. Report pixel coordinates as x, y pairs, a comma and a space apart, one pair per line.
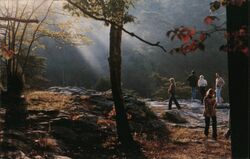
174, 116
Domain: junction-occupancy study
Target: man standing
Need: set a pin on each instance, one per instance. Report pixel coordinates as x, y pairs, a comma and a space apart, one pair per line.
192, 79
219, 83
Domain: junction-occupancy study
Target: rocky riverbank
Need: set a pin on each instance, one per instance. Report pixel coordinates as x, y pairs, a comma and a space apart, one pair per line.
72, 122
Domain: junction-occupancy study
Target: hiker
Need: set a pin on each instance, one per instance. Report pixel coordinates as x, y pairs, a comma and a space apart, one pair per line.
202, 84
192, 79
171, 92
210, 113
219, 83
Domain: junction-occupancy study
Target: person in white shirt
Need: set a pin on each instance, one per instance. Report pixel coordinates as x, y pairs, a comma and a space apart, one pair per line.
202, 84
219, 83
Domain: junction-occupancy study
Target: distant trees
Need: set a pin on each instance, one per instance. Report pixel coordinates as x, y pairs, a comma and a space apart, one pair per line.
22, 25
19, 33
102, 84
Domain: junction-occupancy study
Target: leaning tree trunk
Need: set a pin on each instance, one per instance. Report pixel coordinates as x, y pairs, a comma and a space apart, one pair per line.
238, 84
123, 129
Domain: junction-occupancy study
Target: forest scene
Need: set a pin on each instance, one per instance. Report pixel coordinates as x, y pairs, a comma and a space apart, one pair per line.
124, 79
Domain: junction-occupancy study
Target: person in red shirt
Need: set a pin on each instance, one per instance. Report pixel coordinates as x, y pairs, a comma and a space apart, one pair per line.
210, 112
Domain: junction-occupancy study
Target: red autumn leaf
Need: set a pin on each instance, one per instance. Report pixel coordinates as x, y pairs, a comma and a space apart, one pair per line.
209, 19
192, 31
203, 36
245, 50
8, 54
185, 38
193, 45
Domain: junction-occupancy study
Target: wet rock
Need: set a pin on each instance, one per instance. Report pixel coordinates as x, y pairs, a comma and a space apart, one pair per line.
61, 157
65, 134
14, 144
72, 90
174, 116
101, 102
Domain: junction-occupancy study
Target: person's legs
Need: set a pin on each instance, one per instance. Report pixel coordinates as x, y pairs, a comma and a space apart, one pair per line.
218, 95
203, 92
176, 102
214, 124
193, 93
207, 123
170, 102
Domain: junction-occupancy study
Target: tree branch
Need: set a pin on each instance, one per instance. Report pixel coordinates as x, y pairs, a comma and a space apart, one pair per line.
19, 20
157, 44
34, 35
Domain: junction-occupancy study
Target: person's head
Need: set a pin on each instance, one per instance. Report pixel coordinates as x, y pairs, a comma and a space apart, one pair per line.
210, 92
201, 77
217, 75
171, 80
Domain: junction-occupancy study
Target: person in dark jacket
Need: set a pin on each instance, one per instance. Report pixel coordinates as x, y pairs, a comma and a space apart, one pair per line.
192, 79
210, 112
171, 92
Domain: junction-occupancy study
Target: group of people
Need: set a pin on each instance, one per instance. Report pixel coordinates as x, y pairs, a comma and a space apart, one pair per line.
201, 83
210, 98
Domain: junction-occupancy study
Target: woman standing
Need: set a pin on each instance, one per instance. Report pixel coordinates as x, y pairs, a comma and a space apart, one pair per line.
202, 84
171, 92
210, 113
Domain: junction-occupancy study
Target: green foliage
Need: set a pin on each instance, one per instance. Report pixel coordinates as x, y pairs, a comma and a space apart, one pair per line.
103, 10
34, 71
161, 88
103, 84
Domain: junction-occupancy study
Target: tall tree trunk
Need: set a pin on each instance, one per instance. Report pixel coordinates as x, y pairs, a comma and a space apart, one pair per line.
16, 111
123, 130
238, 85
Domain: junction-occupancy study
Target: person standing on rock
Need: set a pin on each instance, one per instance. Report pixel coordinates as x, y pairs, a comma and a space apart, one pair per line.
192, 79
210, 113
171, 92
219, 83
202, 84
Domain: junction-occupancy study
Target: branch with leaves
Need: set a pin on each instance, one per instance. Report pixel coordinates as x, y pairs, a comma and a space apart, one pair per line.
107, 21
194, 40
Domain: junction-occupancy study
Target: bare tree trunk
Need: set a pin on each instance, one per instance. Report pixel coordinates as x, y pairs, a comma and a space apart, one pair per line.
123, 130
237, 16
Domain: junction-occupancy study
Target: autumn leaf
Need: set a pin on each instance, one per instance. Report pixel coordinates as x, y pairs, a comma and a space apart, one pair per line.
245, 50
210, 19
203, 36
7, 54
192, 31
185, 38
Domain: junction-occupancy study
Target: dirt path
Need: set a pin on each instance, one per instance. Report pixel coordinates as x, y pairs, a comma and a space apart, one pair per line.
188, 140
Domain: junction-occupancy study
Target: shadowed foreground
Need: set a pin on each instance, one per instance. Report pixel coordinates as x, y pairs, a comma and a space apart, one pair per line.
72, 125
